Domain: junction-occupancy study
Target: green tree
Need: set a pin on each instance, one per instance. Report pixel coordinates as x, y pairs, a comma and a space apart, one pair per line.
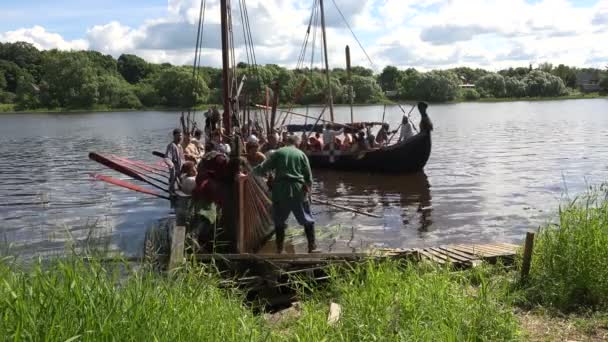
470, 94
389, 78
361, 71
469, 75
515, 87
102, 64
365, 89
491, 85
177, 88
567, 74
27, 93
11, 73
147, 94
604, 83
316, 89
407, 83
24, 55
115, 92
515, 72
132, 68
6, 97
546, 67
436, 86
71, 79
2, 81
540, 83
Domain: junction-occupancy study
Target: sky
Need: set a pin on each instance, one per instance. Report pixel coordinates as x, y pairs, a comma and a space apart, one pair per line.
423, 34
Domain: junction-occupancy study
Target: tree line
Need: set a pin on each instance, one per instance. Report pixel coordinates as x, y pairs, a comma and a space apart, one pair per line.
31, 79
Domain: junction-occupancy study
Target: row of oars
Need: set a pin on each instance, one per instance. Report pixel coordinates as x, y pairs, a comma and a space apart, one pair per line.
155, 176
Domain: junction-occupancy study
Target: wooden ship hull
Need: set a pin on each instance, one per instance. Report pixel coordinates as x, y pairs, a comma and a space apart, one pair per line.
409, 156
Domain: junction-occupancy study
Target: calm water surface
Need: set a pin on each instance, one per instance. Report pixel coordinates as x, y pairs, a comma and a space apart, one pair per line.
496, 170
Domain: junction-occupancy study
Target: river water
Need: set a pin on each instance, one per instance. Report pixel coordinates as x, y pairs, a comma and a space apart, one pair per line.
496, 170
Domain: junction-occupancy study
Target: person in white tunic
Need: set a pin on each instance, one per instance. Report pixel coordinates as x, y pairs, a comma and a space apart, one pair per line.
329, 136
406, 129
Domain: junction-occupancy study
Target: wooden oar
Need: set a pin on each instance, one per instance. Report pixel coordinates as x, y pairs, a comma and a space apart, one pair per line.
127, 185
159, 154
124, 170
408, 115
142, 166
401, 125
345, 208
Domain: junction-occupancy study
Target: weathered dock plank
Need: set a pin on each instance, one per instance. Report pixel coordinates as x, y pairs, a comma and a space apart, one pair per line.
457, 254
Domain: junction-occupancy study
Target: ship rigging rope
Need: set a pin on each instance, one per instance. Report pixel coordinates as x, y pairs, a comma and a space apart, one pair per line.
302, 55
247, 36
312, 22
198, 49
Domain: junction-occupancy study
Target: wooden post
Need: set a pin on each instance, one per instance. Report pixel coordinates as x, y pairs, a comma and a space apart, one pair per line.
178, 235
275, 104
241, 244
350, 85
330, 97
227, 117
527, 259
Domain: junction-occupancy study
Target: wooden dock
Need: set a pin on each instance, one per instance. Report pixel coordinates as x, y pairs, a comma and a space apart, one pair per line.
271, 270
460, 255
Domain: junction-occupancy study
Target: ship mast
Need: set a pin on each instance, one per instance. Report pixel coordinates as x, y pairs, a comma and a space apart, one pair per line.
350, 84
330, 98
226, 67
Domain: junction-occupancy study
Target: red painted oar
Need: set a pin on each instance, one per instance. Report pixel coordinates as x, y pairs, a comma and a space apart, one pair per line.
127, 185
125, 170
142, 166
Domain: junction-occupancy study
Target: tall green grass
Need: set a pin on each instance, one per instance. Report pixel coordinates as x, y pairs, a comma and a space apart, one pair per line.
63, 300
74, 300
392, 301
570, 261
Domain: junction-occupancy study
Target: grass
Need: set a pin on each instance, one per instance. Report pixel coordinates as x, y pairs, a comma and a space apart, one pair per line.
569, 266
72, 299
391, 301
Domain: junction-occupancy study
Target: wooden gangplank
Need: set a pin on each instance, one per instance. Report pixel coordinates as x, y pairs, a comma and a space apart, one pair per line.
462, 255
271, 270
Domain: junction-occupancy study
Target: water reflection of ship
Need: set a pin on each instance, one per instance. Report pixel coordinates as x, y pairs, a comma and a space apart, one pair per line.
379, 193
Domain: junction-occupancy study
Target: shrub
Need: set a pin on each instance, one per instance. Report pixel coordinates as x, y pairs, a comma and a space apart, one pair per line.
569, 262
470, 94
492, 84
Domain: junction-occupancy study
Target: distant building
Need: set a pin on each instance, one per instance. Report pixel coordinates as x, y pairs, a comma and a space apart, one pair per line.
588, 81
467, 86
391, 93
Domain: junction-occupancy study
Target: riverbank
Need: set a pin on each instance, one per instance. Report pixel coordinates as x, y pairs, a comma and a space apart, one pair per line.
565, 297
10, 108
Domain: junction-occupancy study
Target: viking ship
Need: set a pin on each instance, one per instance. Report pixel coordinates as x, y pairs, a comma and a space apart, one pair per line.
406, 156
247, 212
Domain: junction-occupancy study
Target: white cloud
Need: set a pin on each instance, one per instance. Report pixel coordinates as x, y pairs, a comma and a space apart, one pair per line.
42, 39
111, 38
408, 33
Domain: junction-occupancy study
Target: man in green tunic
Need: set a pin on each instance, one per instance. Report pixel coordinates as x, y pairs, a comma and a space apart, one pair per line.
293, 181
